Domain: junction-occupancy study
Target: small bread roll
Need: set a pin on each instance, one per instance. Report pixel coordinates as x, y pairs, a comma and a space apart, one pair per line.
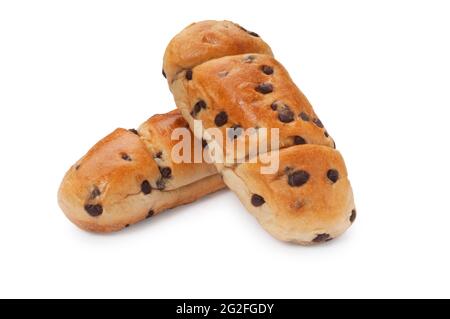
129, 176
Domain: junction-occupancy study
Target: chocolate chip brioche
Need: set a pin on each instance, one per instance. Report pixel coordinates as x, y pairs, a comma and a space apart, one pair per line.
129, 176
308, 199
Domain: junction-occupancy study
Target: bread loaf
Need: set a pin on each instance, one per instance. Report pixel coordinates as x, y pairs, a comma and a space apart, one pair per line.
308, 199
129, 176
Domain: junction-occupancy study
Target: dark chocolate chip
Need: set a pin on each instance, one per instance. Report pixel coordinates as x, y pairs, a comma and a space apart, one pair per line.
318, 123
164, 74
298, 140
249, 59
199, 106
132, 130
304, 116
150, 213
77, 167
189, 75
221, 119
249, 32
264, 88
321, 238
158, 155
161, 184
127, 225
94, 210
146, 188
242, 28
95, 193
333, 175
235, 131
204, 143
298, 178
326, 134
353, 216
285, 115
329, 239
125, 157
267, 69
257, 200
166, 172
274, 106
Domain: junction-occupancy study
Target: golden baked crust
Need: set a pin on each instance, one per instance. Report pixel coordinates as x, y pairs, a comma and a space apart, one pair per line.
156, 134
207, 40
119, 182
231, 86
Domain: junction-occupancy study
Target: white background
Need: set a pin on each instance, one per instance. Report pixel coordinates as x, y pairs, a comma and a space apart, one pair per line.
377, 73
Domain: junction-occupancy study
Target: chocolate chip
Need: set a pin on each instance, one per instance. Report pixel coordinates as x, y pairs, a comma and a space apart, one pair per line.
166, 172
333, 175
318, 123
146, 188
150, 213
298, 178
221, 119
164, 74
353, 216
199, 106
249, 32
304, 116
267, 69
204, 143
249, 59
134, 131
95, 193
235, 131
264, 88
77, 167
285, 115
189, 75
321, 238
274, 106
298, 140
242, 28
326, 134
161, 184
158, 155
125, 157
94, 210
257, 200
334, 144
127, 225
